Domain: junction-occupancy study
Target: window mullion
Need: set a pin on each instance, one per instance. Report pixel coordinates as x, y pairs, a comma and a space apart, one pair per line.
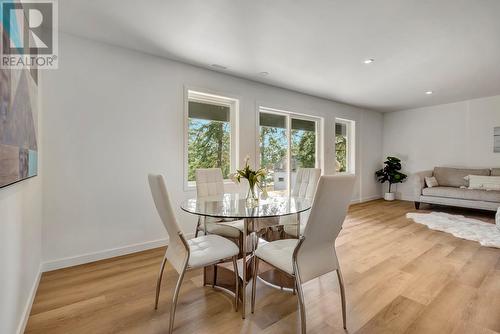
289, 154
316, 145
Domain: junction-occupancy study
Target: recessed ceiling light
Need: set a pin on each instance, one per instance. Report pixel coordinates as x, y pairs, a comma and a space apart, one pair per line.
219, 67
368, 61
264, 73
429, 92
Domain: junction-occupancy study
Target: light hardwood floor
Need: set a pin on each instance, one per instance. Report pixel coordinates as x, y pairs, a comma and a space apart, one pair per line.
400, 277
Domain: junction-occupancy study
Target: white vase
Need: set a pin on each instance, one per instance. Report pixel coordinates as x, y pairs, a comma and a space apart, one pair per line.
389, 196
252, 199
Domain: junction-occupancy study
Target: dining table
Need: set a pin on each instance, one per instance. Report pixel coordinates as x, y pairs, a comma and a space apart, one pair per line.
257, 217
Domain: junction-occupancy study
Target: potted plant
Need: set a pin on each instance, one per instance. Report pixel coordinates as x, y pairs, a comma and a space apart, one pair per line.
254, 177
390, 173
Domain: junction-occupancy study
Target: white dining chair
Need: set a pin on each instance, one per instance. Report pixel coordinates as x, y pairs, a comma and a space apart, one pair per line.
305, 186
209, 182
314, 253
185, 254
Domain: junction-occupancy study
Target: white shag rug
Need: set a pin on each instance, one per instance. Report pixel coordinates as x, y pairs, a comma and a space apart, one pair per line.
462, 227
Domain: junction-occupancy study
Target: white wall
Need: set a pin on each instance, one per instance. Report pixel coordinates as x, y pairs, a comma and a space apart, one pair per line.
456, 135
20, 248
113, 115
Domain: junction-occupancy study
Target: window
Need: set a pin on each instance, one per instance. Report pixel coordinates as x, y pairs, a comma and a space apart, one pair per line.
344, 146
303, 146
286, 142
210, 133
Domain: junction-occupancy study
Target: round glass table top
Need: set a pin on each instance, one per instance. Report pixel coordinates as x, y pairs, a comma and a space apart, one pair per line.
234, 206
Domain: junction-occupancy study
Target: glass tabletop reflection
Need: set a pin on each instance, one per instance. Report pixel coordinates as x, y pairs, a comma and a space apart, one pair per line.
234, 206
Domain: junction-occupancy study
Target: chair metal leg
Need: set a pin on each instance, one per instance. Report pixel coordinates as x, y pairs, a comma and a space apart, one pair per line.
236, 283
244, 260
174, 300
342, 297
298, 226
197, 227
302, 310
158, 283
254, 280
242, 240
205, 225
215, 276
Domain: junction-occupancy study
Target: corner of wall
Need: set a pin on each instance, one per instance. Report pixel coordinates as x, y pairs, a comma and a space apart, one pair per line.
29, 302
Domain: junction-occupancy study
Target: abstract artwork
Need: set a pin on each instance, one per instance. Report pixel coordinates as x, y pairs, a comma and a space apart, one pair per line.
18, 124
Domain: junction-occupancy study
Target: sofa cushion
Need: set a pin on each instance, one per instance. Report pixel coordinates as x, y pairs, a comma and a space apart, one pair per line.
454, 177
484, 182
495, 172
460, 193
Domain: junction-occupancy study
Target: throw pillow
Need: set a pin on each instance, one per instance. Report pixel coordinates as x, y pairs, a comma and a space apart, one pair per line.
431, 181
484, 182
495, 187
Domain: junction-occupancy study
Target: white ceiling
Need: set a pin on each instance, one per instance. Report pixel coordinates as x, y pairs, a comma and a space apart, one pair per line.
451, 47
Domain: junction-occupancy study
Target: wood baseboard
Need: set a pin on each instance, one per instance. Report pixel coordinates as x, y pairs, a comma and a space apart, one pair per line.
102, 255
365, 199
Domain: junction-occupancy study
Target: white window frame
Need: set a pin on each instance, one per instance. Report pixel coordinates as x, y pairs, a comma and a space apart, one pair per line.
289, 115
215, 99
351, 145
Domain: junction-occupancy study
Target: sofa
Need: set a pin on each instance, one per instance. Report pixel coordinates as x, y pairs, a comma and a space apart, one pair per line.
452, 188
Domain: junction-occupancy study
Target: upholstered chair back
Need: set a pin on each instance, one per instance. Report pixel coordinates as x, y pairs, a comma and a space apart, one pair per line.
305, 186
209, 182
317, 254
176, 251
306, 182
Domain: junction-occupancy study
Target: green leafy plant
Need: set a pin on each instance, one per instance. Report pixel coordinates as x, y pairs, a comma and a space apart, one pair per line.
391, 172
341, 153
254, 177
208, 146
